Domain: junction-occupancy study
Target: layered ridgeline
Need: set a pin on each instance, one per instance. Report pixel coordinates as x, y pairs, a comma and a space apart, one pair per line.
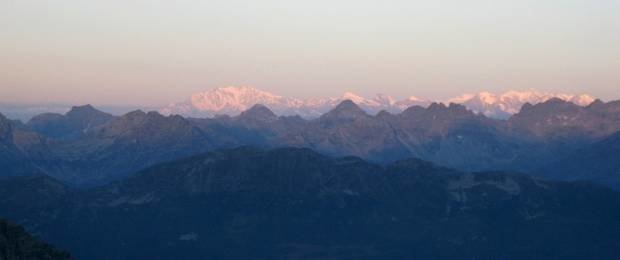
17, 244
234, 100
531, 141
293, 203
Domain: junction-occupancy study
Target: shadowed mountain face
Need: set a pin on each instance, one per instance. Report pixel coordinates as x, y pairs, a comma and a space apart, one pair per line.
16, 244
13, 161
599, 162
127, 144
297, 204
111, 148
73, 124
559, 119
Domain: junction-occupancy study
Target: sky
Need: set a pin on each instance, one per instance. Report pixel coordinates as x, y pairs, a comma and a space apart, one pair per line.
153, 52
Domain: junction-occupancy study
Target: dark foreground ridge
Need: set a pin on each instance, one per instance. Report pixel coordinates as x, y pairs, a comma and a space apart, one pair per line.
294, 203
16, 244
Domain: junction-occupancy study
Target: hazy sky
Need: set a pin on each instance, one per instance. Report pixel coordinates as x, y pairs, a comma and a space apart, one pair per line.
152, 52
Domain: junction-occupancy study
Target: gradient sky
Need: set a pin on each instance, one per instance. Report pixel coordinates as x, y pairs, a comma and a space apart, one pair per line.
151, 52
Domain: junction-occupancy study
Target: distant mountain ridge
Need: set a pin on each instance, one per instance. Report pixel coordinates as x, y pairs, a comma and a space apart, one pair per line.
234, 100
76, 122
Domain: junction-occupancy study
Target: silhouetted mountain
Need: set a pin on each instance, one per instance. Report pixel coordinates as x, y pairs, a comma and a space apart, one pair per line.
346, 110
73, 124
17, 244
258, 116
258, 112
296, 204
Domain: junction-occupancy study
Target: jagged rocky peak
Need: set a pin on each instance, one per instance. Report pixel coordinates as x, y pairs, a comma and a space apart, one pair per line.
452, 108
596, 104
87, 112
347, 109
142, 124
553, 105
73, 124
413, 110
611, 107
258, 112
458, 108
134, 115
87, 116
155, 114
139, 117
436, 106
526, 107
88, 108
124, 122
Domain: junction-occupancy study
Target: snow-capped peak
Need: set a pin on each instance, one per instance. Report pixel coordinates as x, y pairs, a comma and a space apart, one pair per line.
353, 97
461, 99
385, 99
510, 102
487, 97
582, 100
234, 100
414, 98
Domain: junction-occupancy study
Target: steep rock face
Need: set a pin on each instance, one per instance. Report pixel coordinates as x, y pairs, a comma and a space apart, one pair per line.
294, 203
17, 244
73, 124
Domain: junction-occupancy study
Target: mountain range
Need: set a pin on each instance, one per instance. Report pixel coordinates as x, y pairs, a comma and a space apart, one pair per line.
98, 148
435, 181
234, 100
294, 203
